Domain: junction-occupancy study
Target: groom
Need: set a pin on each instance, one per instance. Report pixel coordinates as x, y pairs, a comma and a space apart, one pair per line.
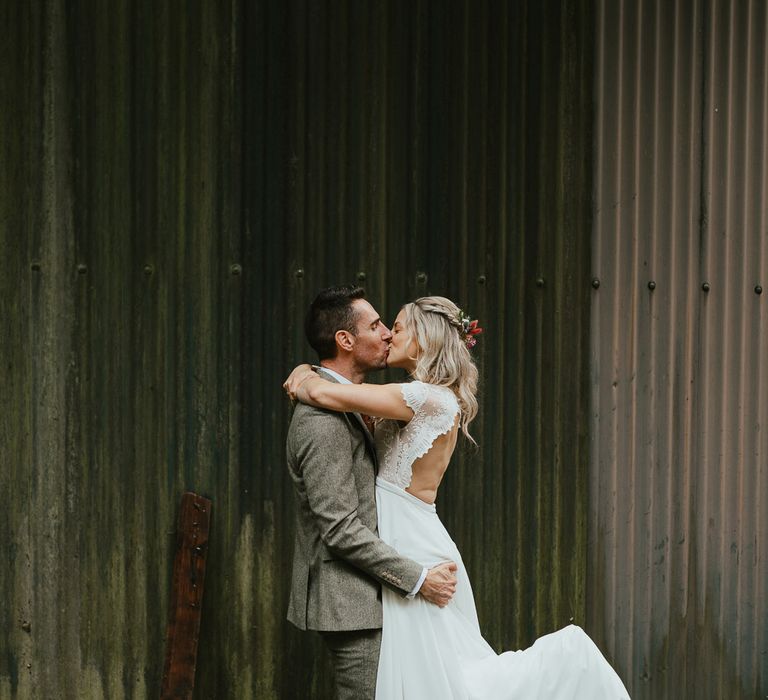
339, 563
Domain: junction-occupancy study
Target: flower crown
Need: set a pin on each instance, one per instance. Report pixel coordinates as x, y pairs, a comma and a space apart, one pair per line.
468, 329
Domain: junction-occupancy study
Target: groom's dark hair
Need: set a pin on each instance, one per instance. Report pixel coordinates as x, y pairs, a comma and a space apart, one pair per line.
331, 311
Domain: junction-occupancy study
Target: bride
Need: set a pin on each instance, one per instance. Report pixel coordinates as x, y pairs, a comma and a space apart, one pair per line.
428, 651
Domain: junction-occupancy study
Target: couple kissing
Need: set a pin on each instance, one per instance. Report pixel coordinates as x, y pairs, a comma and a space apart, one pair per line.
375, 573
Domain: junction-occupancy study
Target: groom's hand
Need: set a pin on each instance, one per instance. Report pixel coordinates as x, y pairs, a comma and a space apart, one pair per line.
440, 584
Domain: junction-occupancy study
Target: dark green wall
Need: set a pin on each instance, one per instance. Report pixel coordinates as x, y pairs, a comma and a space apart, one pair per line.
178, 180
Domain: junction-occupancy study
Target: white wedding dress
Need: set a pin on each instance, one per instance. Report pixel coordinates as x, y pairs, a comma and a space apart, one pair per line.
431, 652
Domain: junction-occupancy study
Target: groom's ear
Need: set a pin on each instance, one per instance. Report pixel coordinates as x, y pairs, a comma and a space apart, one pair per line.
345, 340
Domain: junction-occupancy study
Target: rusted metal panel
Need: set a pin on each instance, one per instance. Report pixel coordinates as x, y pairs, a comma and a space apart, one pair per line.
186, 597
676, 586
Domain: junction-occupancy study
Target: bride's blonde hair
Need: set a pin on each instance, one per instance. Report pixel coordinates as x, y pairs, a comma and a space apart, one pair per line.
443, 357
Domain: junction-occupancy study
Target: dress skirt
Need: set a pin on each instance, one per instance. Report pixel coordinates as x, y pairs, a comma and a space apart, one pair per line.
431, 652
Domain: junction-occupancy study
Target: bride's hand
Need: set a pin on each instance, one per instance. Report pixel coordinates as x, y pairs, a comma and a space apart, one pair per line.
295, 379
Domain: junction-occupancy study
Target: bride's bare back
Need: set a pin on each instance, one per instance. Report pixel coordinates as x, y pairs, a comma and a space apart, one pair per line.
428, 471
415, 456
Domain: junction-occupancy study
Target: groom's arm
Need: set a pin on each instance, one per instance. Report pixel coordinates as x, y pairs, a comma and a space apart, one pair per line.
322, 451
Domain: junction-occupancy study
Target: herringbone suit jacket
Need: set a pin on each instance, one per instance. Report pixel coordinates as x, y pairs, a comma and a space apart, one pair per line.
338, 561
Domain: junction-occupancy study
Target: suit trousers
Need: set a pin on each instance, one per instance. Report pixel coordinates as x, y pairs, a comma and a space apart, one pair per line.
355, 662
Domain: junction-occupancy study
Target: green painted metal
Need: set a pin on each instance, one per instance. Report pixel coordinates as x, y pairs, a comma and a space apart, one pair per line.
178, 181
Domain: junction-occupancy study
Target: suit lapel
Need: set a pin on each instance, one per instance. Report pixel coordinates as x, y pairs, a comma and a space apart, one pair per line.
366, 432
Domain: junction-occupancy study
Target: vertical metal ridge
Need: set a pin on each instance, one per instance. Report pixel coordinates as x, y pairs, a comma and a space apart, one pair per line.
761, 437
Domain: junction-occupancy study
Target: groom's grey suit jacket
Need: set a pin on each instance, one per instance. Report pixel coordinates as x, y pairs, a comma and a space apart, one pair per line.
338, 559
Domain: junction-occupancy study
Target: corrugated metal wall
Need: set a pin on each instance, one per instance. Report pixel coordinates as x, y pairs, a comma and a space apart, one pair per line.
177, 182
121, 216
678, 551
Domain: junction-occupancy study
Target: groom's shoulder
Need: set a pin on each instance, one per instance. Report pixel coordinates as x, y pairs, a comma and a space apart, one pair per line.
314, 428
309, 419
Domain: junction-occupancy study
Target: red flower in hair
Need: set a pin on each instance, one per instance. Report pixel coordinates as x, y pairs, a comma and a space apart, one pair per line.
469, 329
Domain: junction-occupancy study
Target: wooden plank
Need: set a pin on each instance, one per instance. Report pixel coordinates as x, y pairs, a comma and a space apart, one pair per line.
186, 597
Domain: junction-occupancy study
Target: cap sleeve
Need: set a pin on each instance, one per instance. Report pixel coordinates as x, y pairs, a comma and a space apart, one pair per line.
434, 408
414, 395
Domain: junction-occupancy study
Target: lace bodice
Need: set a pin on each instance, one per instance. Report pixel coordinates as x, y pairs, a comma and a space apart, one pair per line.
434, 413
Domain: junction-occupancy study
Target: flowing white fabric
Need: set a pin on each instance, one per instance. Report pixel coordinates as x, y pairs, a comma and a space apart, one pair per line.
429, 652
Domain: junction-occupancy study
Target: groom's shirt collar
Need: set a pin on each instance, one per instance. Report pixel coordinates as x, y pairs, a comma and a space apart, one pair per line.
339, 377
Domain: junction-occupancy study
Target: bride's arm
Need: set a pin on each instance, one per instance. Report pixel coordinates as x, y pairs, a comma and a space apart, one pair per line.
380, 400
